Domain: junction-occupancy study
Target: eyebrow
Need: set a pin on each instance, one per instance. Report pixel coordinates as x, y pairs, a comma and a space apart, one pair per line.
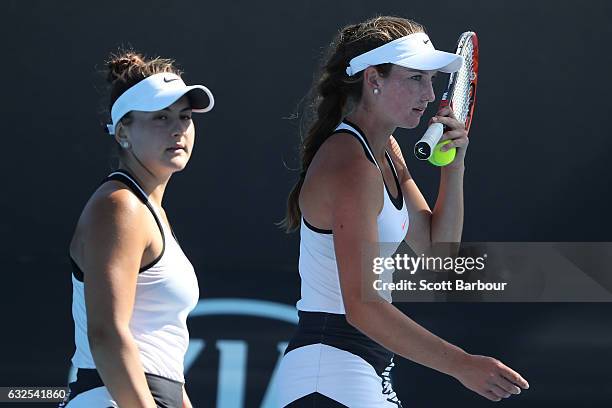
418, 71
182, 110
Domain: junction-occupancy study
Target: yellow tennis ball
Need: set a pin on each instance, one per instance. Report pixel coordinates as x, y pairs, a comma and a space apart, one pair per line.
440, 158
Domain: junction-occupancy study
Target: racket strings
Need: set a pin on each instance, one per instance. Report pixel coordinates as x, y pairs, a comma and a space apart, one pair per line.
462, 93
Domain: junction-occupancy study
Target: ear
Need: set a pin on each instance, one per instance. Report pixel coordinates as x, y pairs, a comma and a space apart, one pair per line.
121, 132
372, 78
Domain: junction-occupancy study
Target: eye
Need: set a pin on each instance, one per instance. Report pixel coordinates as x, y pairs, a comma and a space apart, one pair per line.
186, 117
161, 117
416, 77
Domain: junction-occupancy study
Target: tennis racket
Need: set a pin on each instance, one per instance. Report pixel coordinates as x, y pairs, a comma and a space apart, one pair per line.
460, 93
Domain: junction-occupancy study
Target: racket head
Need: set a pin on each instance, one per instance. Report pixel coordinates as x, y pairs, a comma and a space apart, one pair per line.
462, 93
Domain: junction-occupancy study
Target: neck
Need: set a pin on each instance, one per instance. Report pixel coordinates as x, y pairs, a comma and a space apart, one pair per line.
377, 131
153, 185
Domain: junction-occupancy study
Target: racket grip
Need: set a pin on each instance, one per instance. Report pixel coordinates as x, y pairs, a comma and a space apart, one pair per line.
425, 147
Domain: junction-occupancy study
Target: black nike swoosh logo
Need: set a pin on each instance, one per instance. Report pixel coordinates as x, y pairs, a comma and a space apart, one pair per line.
170, 80
425, 41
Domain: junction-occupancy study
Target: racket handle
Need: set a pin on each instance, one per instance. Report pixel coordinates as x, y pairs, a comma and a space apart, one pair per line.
425, 147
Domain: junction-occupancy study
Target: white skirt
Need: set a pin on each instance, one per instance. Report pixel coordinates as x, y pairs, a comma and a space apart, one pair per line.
333, 378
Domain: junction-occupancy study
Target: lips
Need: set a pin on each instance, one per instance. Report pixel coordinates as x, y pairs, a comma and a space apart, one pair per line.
176, 148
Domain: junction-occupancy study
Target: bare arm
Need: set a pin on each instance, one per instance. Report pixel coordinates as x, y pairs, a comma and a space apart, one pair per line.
186, 400
447, 217
113, 244
418, 236
354, 215
354, 223
445, 222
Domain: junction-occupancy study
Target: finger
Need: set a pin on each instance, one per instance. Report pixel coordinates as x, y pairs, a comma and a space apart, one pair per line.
446, 111
490, 395
453, 135
507, 385
452, 123
514, 378
500, 392
463, 142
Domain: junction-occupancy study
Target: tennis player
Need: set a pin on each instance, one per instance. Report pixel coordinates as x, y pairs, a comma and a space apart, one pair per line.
354, 189
132, 284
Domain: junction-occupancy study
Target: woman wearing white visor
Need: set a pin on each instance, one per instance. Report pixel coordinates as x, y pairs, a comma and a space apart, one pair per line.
354, 189
132, 284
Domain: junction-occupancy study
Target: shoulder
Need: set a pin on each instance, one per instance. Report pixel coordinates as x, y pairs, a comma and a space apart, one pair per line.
342, 150
346, 163
353, 182
113, 221
114, 200
112, 209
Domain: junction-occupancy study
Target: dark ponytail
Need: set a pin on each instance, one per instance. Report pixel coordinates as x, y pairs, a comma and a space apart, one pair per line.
329, 111
335, 89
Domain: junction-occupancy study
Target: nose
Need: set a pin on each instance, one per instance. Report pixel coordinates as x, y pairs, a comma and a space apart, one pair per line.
428, 93
180, 127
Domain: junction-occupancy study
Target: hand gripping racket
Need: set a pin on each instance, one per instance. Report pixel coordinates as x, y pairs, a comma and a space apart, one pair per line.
460, 93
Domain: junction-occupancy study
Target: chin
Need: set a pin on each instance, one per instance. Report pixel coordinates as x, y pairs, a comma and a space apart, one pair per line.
176, 165
409, 124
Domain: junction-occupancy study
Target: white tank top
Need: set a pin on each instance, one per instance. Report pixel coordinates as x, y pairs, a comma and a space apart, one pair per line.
320, 289
166, 291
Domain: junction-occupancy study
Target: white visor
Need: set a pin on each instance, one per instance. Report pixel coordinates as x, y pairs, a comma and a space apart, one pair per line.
413, 51
157, 92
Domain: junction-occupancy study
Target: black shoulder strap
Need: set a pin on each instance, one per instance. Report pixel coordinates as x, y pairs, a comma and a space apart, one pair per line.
398, 201
360, 138
124, 177
127, 179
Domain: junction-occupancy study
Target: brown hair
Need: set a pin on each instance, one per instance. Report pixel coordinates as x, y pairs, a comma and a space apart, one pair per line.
127, 68
335, 88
